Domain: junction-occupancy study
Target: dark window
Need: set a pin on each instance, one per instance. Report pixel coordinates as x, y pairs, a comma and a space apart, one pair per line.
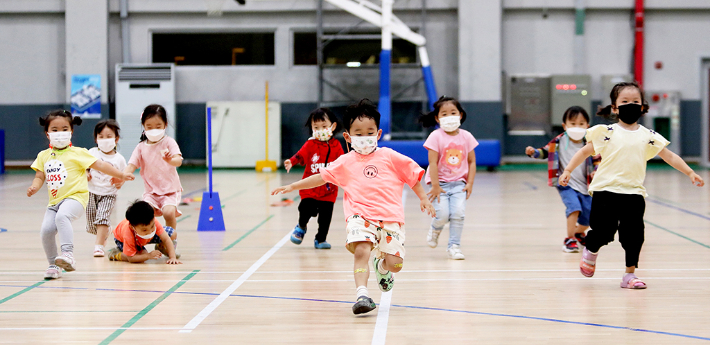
214, 49
342, 51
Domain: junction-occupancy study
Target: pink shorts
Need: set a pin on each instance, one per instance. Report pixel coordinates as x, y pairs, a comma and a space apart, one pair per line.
160, 201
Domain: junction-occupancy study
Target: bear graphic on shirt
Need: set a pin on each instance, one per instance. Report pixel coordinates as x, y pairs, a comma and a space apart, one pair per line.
453, 156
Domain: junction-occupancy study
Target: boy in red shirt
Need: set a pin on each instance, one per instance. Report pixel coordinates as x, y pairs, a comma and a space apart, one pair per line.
318, 152
138, 229
373, 179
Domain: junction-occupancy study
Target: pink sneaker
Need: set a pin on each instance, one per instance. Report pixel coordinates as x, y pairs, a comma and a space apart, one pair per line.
66, 261
630, 281
53, 272
588, 263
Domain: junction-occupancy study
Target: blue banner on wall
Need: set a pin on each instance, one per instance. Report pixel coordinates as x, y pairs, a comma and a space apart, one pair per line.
86, 95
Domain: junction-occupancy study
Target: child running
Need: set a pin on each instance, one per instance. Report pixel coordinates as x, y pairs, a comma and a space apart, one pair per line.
64, 167
452, 168
318, 152
102, 189
138, 229
158, 156
373, 179
558, 153
617, 189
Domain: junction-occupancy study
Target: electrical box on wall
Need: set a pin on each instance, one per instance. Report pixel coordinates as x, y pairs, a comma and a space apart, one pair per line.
608, 82
567, 91
664, 116
529, 112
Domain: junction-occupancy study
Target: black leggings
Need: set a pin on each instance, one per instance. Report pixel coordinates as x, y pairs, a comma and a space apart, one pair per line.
310, 208
612, 211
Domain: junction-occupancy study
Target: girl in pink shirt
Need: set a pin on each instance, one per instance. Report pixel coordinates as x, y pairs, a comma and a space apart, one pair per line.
452, 168
158, 156
372, 179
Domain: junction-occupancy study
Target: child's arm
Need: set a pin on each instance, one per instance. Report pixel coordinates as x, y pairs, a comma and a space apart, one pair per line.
471, 173
130, 168
175, 160
540, 153
143, 256
108, 169
424, 203
168, 243
36, 183
576, 160
679, 164
307, 183
436, 190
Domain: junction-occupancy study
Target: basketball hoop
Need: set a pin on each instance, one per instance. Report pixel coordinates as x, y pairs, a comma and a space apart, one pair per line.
214, 7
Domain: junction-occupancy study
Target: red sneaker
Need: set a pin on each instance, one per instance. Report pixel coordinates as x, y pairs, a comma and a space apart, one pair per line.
570, 245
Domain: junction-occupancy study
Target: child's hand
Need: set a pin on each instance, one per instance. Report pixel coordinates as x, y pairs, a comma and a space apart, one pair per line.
434, 193
282, 190
32, 190
426, 206
128, 176
173, 262
88, 177
155, 254
564, 178
530, 151
468, 189
696, 179
288, 165
118, 183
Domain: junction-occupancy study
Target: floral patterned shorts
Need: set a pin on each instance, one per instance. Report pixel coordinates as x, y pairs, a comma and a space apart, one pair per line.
386, 237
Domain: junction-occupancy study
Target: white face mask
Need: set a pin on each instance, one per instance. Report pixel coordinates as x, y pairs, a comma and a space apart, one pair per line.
450, 123
364, 145
155, 134
106, 145
323, 134
576, 133
148, 236
60, 140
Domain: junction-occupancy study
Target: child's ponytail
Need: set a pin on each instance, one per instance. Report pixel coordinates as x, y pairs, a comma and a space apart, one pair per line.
44, 121
606, 112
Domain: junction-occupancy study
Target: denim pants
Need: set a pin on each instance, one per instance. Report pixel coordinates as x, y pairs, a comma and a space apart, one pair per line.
451, 208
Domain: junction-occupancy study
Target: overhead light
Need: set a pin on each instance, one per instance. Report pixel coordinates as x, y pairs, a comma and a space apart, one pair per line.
353, 64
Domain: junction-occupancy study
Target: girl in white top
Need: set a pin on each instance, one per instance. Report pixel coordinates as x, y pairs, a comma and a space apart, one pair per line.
103, 188
617, 189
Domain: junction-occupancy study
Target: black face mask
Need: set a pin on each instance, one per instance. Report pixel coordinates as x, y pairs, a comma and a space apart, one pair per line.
630, 113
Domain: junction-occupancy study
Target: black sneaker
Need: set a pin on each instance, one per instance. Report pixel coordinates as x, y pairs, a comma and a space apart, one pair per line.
363, 305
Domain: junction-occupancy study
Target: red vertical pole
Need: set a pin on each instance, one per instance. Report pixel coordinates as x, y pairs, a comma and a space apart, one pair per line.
638, 50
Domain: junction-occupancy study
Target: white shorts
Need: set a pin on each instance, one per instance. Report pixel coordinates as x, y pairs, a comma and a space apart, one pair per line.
160, 201
386, 237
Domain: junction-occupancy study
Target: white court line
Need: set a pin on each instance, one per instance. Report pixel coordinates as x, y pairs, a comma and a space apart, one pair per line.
383, 314
22, 273
223, 296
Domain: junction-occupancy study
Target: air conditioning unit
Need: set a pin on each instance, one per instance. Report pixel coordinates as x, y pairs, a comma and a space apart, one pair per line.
137, 86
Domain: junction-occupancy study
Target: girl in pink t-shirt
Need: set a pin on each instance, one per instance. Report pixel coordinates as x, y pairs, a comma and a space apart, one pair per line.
452, 168
158, 156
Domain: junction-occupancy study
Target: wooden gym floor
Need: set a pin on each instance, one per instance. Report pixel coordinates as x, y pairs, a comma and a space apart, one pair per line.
250, 285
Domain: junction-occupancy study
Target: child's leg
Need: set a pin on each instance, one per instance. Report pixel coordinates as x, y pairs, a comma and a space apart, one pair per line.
48, 234
392, 263
572, 227
306, 210
101, 234
442, 210
68, 211
104, 207
604, 219
631, 229
457, 211
325, 216
572, 208
170, 215
362, 256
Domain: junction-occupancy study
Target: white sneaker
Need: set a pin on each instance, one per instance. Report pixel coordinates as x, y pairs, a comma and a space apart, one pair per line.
66, 261
432, 238
455, 253
53, 272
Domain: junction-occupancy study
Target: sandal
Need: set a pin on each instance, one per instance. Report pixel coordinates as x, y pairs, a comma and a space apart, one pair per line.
588, 263
630, 281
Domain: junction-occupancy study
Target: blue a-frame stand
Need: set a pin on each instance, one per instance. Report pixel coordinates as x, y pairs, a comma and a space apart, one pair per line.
211, 217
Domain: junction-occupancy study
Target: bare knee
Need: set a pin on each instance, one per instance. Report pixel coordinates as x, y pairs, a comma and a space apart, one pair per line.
362, 250
393, 263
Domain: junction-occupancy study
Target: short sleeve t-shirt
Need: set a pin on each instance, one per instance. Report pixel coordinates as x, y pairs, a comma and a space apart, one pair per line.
453, 154
566, 149
131, 242
159, 177
100, 183
373, 183
65, 173
624, 155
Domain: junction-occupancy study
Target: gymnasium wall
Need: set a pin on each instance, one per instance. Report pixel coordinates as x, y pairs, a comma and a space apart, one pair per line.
33, 53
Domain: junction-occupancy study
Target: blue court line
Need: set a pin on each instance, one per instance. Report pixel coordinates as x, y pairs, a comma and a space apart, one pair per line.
530, 185
678, 208
3, 230
470, 312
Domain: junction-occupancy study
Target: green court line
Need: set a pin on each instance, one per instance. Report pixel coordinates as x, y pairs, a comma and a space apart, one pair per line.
247, 234
679, 235
147, 309
20, 292
183, 218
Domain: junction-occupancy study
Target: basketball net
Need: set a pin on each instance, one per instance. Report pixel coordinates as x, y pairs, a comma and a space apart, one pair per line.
214, 7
